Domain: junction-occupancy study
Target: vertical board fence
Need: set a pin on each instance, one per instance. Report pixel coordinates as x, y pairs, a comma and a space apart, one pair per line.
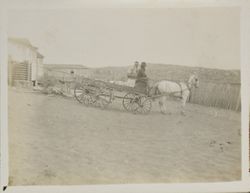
222, 95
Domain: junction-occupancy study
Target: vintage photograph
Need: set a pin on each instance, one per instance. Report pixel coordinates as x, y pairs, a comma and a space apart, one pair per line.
124, 95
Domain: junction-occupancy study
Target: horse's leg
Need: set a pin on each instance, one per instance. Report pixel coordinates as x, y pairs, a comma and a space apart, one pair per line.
183, 102
162, 104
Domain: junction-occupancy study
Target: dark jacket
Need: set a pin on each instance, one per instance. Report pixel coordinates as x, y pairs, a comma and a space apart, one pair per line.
141, 81
141, 75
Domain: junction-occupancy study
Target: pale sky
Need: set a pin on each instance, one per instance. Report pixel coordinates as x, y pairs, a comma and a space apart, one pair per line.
205, 37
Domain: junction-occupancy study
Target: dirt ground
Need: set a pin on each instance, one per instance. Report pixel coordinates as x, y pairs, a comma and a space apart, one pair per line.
56, 141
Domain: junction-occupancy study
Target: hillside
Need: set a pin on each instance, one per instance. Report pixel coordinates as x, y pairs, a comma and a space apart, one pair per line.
170, 72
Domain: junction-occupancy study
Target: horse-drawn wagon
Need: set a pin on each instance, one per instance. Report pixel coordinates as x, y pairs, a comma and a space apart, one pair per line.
100, 93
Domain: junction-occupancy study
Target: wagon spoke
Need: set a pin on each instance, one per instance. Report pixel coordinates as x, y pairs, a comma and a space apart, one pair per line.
129, 102
87, 99
78, 93
144, 105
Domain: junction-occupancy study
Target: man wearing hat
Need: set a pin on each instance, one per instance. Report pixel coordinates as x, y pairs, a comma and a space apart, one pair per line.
141, 82
132, 73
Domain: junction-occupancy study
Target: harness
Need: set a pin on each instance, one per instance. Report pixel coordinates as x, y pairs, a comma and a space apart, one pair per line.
188, 87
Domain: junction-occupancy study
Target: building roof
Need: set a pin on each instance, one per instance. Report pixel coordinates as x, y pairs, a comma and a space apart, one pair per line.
39, 55
22, 41
25, 42
65, 66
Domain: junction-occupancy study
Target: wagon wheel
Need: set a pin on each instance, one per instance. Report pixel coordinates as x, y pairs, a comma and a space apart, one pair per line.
100, 101
79, 92
129, 102
82, 95
87, 99
101, 98
144, 105
103, 95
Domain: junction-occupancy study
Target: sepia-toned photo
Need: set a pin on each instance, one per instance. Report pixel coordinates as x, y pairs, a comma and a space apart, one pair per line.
124, 96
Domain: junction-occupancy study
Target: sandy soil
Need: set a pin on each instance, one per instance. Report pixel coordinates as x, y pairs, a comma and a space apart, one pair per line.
54, 140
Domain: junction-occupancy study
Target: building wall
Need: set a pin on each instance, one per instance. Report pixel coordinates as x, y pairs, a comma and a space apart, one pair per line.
33, 57
20, 54
40, 68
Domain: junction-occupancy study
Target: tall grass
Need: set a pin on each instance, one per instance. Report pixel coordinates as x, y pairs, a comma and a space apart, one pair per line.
221, 95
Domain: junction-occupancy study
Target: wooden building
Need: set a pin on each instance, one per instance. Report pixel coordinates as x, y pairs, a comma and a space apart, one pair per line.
25, 64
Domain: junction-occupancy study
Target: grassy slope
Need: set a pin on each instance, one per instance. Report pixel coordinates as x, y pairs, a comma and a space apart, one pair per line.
171, 72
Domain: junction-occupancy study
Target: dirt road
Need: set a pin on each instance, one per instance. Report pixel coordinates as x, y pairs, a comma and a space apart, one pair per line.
54, 140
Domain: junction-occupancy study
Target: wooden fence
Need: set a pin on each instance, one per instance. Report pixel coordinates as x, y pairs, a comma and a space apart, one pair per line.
222, 95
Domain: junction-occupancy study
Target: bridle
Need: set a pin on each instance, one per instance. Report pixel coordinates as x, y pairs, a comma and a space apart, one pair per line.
189, 85
190, 82
182, 90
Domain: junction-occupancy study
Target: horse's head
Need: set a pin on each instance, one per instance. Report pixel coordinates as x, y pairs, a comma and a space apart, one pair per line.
193, 81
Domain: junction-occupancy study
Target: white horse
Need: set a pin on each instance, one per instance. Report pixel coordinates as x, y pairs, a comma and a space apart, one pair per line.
181, 90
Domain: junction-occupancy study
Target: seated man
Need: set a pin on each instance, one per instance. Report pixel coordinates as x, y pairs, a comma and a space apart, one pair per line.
141, 83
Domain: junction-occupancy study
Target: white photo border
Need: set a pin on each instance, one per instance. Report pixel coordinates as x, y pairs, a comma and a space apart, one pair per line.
237, 186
